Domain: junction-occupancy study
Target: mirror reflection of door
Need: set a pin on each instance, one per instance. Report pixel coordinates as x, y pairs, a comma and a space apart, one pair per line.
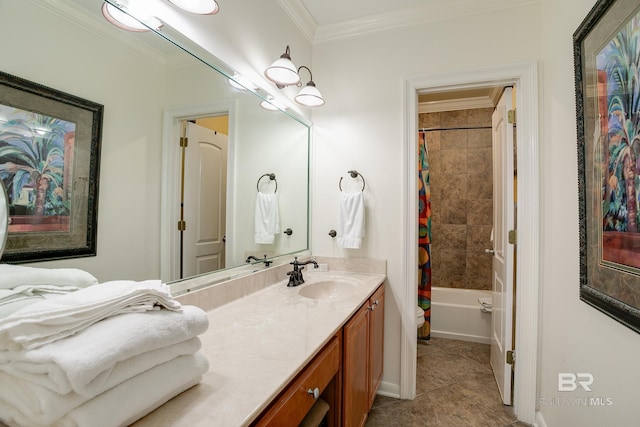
204, 194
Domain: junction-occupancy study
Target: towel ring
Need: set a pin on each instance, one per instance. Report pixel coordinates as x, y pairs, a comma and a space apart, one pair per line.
272, 177
354, 174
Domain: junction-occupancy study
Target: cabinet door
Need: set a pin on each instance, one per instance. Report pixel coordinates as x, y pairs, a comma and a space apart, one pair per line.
356, 368
376, 342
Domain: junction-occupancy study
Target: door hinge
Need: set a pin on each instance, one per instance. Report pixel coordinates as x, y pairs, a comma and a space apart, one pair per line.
511, 116
511, 357
184, 142
182, 225
513, 237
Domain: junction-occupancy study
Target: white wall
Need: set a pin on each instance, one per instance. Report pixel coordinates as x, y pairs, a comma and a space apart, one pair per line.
361, 127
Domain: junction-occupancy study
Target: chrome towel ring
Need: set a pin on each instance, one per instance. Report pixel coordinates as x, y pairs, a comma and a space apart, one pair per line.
272, 177
354, 174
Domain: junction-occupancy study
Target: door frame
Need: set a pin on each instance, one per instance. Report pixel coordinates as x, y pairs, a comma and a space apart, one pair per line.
525, 77
169, 209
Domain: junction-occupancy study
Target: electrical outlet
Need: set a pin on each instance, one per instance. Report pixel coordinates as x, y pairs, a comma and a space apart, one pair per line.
323, 267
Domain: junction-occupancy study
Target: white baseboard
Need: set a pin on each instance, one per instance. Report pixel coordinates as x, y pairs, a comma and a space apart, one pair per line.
389, 390
539, 422
461, 337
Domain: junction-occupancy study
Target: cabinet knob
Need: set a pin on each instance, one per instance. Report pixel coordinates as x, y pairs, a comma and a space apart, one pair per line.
372, 307
375, 302
315, 393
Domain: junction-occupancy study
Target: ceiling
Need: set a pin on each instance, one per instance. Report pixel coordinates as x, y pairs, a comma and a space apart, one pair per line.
325, 12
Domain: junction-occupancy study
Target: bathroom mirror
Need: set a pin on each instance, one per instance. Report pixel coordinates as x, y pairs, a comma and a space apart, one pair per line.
148, 104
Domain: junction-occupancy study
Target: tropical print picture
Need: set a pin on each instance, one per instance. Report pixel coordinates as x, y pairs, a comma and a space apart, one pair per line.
36, 158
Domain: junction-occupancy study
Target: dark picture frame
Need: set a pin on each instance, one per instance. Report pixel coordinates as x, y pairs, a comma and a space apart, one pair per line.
50, 145
607, 60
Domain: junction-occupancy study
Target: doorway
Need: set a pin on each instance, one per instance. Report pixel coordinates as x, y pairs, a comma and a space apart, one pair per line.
467, 201
203, 194
524, 77
170, 215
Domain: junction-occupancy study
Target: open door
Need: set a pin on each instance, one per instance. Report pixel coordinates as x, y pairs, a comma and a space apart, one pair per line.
204, 200
503, 250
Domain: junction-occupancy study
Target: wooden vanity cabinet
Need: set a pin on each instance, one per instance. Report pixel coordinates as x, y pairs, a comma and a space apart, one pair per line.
362, 364
319, 379
346, 372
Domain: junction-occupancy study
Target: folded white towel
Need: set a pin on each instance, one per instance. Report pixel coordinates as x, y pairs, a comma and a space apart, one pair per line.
267, 218
135, 398
29, 291
107, 347
27, 403
351, 220
50, 320
13, 306
12, 276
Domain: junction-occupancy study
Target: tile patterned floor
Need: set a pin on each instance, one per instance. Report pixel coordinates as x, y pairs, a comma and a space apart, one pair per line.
455, 388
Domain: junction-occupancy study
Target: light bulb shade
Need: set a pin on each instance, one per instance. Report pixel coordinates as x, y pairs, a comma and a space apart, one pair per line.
202, 7
127, 22
309, 96
282, 72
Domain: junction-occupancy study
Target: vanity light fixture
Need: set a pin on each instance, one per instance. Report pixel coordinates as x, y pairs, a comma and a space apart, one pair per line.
126, 20
201, 7
309, 96
283, 73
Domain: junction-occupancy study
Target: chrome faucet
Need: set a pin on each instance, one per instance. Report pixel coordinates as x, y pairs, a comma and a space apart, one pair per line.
295, 276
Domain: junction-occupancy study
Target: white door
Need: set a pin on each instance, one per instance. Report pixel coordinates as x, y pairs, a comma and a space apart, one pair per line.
503, 251
205, 195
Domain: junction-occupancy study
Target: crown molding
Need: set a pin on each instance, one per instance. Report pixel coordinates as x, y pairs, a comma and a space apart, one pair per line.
436, 11
301, 17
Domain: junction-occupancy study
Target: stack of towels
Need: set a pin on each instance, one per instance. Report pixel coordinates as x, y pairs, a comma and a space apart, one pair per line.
103, 355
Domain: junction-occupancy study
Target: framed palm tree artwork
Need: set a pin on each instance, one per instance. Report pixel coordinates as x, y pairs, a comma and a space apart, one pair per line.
607, 77
49, 165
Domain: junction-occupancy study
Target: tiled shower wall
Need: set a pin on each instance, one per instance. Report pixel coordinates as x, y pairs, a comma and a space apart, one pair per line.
461, 177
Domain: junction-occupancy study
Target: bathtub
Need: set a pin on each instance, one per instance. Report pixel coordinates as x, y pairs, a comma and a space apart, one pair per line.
456, 314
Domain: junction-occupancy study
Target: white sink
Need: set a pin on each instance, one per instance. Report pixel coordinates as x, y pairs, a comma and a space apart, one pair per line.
326, 289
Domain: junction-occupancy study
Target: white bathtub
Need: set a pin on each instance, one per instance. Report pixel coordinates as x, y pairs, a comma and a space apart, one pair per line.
456, 314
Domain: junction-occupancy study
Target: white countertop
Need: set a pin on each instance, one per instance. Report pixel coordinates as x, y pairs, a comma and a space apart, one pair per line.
255, 345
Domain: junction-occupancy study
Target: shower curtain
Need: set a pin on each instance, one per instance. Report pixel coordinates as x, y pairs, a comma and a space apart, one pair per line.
424, 237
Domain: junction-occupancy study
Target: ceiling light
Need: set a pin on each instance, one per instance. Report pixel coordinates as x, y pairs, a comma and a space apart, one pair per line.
309, 95
202, 7
130, 17
282, 72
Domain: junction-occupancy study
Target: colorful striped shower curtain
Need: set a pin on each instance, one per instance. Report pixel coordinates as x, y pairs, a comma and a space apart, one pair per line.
424, 237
